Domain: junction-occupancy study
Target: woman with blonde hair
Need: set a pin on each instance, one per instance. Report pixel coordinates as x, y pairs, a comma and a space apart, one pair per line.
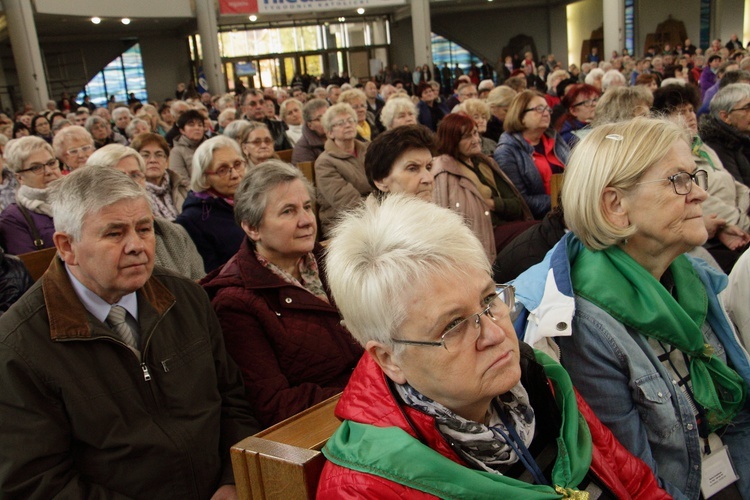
357, 99
256, 142
671, 383
398, 111
479, 111
498, 100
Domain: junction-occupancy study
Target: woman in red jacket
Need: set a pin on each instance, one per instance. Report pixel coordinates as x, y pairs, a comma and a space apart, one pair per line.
279, 322
446, 403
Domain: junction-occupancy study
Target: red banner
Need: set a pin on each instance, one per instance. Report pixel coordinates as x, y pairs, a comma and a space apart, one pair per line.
238, 6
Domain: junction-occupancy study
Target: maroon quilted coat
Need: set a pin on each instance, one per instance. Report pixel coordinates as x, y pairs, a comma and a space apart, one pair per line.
289, 344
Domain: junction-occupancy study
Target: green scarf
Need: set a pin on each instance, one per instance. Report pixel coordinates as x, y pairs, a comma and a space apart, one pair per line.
698, 151
612, 280
391, 453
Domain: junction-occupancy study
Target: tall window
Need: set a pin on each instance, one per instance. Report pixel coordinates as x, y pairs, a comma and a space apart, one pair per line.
119, 78
630, 26
446, 51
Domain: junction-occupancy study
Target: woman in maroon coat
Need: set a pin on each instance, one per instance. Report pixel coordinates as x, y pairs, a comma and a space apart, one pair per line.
279, 323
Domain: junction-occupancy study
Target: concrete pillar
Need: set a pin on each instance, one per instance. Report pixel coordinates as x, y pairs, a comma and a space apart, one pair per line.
614, 27
26, 53
422, 32
205, 12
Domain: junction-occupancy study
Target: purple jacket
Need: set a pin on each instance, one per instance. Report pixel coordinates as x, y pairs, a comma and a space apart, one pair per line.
16, 236
708, 79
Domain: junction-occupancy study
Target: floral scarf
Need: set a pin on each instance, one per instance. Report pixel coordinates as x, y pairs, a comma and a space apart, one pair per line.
161, 199
308, 268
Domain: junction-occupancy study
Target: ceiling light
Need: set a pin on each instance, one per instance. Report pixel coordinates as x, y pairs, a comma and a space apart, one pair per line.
342, 19
360, 11
96, 20
125, 20
253, 18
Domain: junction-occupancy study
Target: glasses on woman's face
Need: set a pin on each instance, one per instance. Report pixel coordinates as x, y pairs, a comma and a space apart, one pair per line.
346, 121
259, 142
225, 171
682, 182
589, 103
38, 168
539, 109
79, 151
459, 332
159, 155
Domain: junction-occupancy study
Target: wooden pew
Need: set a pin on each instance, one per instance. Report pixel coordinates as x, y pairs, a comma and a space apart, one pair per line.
555, 188
285, 155
284, 462
307, 168
37, 262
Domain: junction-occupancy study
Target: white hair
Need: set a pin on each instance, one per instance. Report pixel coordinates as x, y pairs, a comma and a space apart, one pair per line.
204, 157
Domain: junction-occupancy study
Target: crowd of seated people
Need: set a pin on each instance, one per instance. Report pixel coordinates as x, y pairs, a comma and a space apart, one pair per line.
421, 191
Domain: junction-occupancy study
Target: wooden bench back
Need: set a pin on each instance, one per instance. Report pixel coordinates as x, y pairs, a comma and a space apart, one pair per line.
307, 168
555, 187
285, 155
37, 262
284, 462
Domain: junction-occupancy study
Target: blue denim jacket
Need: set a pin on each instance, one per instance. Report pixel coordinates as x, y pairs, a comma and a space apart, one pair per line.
619, 374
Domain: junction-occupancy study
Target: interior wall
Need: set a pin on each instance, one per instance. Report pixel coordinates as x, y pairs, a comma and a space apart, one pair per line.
166, 62
650, 13
559, 33
730, 16
582, 18
116, 8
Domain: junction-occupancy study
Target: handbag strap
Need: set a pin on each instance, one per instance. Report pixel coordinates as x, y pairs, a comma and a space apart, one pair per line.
38, 241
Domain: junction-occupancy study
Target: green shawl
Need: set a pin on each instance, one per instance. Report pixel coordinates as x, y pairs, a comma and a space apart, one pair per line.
391, 453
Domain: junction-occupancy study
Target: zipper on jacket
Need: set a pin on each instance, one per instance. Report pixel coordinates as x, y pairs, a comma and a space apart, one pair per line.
146, 374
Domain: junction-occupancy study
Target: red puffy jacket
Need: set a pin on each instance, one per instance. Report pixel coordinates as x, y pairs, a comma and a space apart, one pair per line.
368, 399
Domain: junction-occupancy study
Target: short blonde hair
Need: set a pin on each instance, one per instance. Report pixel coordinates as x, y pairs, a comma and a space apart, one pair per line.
471, 107
18, 150
340, 108
514, 119
395, 106
622, 103
349, 96
500, 97
612, 155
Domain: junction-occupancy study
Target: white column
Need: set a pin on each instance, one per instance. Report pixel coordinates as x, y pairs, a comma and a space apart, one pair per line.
422, 32
614, 27
26, 53
205, 12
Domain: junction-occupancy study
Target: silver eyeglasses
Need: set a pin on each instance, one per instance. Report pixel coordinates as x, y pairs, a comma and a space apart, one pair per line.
682, 182
502, 301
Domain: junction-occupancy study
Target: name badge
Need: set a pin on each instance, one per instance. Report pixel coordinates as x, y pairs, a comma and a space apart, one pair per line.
717, 470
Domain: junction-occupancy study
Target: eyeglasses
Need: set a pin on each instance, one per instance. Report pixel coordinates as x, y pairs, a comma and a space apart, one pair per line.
341, 123
682, 182
589, 103
38, 168
159, 155
459, 330
539, 109
81, 150
746, 107
259, 142
136, 175
225, 170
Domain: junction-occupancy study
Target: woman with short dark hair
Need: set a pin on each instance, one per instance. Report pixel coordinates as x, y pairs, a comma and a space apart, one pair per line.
191, 125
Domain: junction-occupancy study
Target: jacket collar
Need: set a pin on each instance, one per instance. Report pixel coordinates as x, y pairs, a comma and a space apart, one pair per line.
332, 149
68, 318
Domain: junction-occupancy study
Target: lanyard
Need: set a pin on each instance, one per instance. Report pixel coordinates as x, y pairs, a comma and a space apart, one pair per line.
515, 442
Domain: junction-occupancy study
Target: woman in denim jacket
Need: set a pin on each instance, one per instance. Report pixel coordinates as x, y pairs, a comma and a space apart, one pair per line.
633, 318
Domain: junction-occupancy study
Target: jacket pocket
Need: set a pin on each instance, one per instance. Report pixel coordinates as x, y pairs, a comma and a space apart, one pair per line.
655, 406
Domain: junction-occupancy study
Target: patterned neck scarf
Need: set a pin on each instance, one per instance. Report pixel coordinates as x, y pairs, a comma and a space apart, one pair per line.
481, 443
309, 275
161, 199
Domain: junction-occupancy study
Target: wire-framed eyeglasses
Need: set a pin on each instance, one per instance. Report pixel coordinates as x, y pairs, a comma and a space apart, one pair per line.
501, 302
682, 182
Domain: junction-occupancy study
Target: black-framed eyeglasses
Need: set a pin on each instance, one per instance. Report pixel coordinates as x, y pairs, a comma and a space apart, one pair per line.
682, 182
225, 170
38, 168
539, 109
746, 107
589, 103
498, 303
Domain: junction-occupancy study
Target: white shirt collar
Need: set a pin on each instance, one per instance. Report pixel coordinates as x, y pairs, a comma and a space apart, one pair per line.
97, 306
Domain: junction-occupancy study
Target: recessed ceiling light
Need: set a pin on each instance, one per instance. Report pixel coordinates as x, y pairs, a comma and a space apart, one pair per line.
96, 20
253, 18
125, 20
360, 11
342, 19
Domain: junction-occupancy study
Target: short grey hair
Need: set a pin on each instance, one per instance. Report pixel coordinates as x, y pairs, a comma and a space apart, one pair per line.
246, 131
611, 77
235, 128
622, 103
130, 129
594, 75
286, 104
726, 98
337, 109
18, 150
224, 116
93, 120
311, 107
251, 197
173, 108
379, 252
120, 111
395, 106
500, 97
204, 157
62, 138
87, 191
111, 154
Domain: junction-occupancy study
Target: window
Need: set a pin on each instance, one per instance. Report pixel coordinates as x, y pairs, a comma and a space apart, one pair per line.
446, 51
119, 78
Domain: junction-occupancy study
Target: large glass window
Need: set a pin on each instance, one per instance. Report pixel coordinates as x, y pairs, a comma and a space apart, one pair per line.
630, 26
446, 51
119, 78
